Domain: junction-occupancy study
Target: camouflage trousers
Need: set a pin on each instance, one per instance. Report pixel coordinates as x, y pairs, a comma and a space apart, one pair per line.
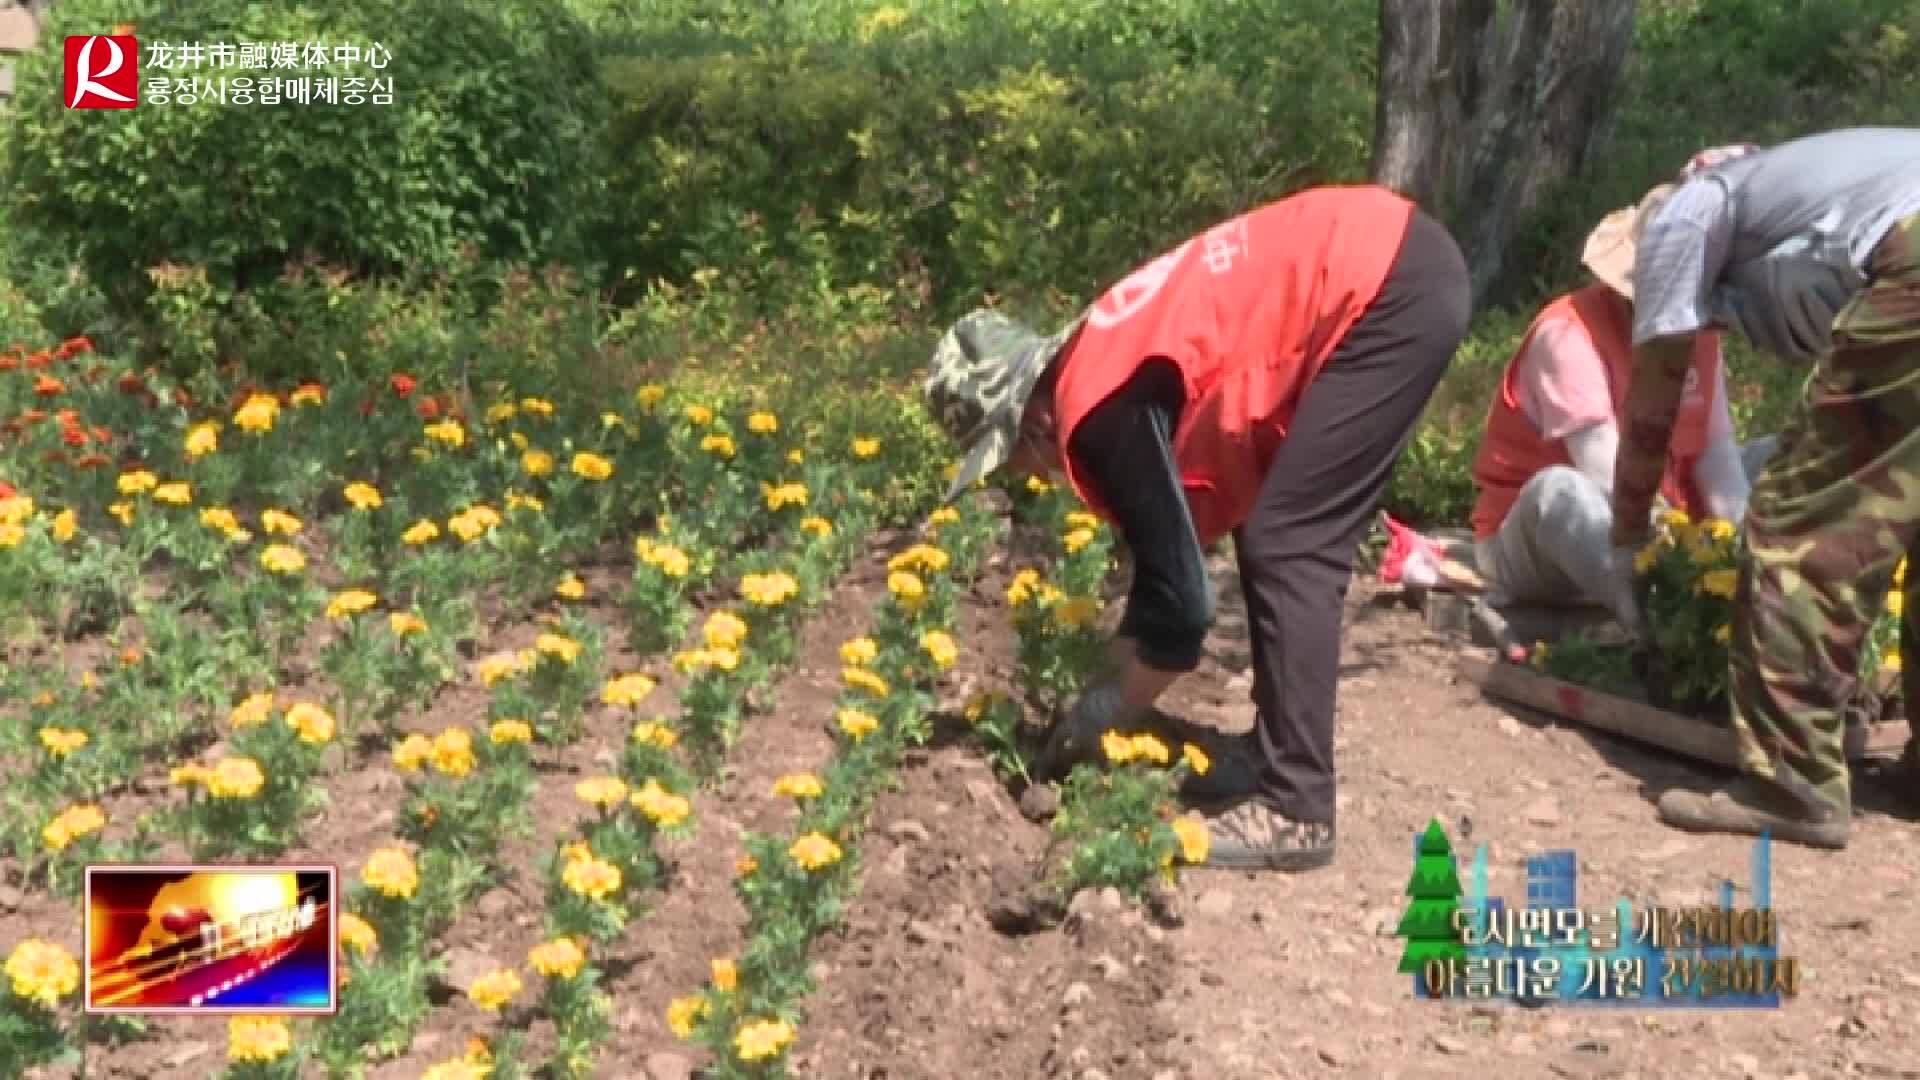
1829, 519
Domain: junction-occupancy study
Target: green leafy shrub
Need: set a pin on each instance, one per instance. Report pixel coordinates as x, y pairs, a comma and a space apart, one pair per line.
487, 142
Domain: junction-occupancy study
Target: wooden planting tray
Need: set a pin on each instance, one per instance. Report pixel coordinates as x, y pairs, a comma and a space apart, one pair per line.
1690, 736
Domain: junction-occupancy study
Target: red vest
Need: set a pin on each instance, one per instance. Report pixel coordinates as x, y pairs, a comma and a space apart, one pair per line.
1248, 311
1512, 449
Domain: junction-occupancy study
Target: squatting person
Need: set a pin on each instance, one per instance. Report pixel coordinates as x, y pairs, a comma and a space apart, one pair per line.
1543, 519
1259, 379
1811, 251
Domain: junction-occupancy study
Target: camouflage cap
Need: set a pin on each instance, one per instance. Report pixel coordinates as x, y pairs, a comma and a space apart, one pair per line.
981, 375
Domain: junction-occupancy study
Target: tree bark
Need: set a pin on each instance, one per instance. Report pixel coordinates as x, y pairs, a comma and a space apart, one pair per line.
1485, 105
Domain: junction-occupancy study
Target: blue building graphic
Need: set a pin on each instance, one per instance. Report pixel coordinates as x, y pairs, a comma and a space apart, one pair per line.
1607, 956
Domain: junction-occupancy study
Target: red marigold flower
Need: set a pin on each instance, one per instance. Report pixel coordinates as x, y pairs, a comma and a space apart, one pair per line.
40, 359
33, 416
402, 384
73, 436
91, 461
428, 408
102, 434
74, 346
9, 362
48, 386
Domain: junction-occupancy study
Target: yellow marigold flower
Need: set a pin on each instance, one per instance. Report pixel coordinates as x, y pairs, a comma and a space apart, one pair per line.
724, 630
744, 865
65, 524
62, 741
1038, 486
683, 1013
939, 646
780, 496
655, 733
1193, 839
650, 395
561, 958
1892, 662
1197, 759
174, 493
258, 1039
859, 678
412, 753
920, 557
591, 466
121, 510
492, 991
601, 791
519, 501
1022, 587
350, 602
314, 724
15, 509
308, 394
189, 774
1077, 611
453, 752
859, 651
627, 690
203, 439
720, 446
510, 731
699, 415
814, 851
762, 1039
420, 532
1077, 539
357, 934
537, 406
501, 412
363, 496
447, 431
11, 536
1896, 604
907, 589
235, 778
591, 877
865, 447
42, 971
1719, 582
1117, 747
280, 523
559, 646
137, 481
1900, 573
570, 588
769, 590
457, 1069
670, 560
73, 823
1080, 519
612, 419
856, 724
796, 456
1150, 748
390, 871
1644, 559
282, 559
662, 807
257, 414
763, 423
797, 786
519, 441
404, 623
1719, 529
818, 526
1675, 518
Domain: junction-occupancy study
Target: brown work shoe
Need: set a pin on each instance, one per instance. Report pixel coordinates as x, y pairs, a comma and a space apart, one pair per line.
1751, 806
1250, 835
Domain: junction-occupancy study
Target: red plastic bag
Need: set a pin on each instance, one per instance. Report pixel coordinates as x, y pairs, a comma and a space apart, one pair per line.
1410, 559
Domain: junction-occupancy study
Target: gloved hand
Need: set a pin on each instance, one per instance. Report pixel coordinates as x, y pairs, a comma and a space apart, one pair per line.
1622, 590
1076, 736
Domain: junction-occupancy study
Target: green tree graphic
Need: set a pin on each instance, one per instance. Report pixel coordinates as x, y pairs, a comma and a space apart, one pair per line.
1435, 889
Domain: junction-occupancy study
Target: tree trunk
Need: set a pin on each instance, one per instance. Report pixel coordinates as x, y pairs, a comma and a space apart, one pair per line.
1484, 105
